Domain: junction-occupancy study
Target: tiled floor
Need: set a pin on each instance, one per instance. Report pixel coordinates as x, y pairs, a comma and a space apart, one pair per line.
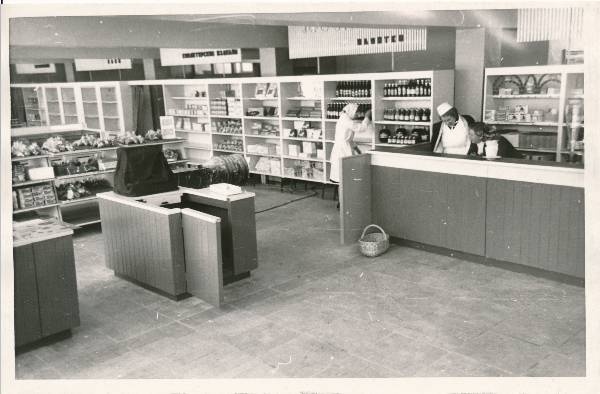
314, 308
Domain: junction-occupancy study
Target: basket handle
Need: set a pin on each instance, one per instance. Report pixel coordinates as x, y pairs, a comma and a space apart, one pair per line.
372, 225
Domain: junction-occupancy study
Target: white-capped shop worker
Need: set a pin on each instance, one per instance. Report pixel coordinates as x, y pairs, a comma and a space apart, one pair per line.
453, 137
344, 144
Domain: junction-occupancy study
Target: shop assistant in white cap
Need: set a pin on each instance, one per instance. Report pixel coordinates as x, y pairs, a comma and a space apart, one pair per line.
344, 144
454, 132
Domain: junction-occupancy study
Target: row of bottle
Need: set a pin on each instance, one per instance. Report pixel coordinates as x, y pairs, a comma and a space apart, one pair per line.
408, 88
407, 114
334, 110
353, 89
403, 136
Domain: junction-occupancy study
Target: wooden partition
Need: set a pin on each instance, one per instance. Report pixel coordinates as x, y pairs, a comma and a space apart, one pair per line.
144, 243
355, 196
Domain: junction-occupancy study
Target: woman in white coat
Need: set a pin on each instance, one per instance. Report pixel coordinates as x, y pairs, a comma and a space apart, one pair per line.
453, 137
344, 144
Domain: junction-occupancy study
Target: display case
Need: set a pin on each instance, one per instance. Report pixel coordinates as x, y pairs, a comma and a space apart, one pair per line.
28, 107
539, 109
101, 106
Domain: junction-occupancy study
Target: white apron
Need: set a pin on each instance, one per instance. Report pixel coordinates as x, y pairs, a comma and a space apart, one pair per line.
454, 141
342, 147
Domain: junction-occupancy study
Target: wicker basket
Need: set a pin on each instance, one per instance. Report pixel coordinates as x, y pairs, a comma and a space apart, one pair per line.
374, 244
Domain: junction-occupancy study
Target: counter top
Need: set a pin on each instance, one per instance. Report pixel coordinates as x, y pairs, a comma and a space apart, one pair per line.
152, 201
563, 174
37, 230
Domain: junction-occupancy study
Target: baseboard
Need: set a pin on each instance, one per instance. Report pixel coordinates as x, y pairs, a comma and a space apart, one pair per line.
558, 277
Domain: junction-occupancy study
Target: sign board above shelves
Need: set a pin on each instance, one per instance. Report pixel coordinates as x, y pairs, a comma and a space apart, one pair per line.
102, 64
187, 56
29, 68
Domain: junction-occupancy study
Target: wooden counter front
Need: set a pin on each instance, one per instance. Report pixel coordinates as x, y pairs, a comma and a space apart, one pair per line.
518, 213
45, 283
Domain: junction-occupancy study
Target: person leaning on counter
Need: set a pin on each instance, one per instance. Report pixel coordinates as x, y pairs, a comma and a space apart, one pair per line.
453, 136
480, 135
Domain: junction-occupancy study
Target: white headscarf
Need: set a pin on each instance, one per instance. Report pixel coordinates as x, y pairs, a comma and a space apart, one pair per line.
350, 110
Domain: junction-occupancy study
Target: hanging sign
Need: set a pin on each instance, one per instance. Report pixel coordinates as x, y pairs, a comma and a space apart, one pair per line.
115, 63
167, 127
182, 57
316, 41
28, 68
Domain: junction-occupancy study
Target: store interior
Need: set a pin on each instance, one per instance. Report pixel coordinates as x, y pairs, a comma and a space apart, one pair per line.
307, 302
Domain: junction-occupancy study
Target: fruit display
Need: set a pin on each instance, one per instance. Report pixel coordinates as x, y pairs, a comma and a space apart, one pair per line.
152, 135
23, 148
75, 166
129, 139
85, 142
56, 145
81, 189
172, 154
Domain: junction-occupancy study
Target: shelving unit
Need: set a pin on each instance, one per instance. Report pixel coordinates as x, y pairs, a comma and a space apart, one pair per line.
263, 108
77, 211
539, 109
99, 106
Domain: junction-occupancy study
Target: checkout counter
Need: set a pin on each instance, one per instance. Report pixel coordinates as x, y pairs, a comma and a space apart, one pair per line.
525, 213
187, 241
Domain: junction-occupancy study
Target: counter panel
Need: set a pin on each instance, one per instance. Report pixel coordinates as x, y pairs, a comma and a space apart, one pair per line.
150, 250
27, 311
536, 225
57, 284
437, 209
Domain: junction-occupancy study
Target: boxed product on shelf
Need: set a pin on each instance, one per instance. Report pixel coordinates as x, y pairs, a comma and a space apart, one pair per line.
505, 91
320, 154
262, 165
255, 111
275, 166
521, 109
40, 173
19, 172
234, 106
15, 200
293, 150
309, 148
314, 134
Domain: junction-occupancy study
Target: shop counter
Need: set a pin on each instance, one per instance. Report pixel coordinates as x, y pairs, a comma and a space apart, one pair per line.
499, 210
46, 300
189, 241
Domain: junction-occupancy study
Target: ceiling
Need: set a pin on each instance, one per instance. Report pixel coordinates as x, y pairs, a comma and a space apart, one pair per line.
56, 37
447, 18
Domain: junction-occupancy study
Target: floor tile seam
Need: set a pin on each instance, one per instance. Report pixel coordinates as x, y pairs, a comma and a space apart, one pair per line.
117, 341
573, 336
388, 334
480, 362
545, 349
509, 335
246, 295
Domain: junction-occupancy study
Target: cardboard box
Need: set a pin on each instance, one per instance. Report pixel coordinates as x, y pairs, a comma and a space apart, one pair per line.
40, 173
293, 150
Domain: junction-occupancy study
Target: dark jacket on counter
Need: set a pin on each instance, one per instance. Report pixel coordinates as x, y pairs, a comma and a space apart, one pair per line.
505, 149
